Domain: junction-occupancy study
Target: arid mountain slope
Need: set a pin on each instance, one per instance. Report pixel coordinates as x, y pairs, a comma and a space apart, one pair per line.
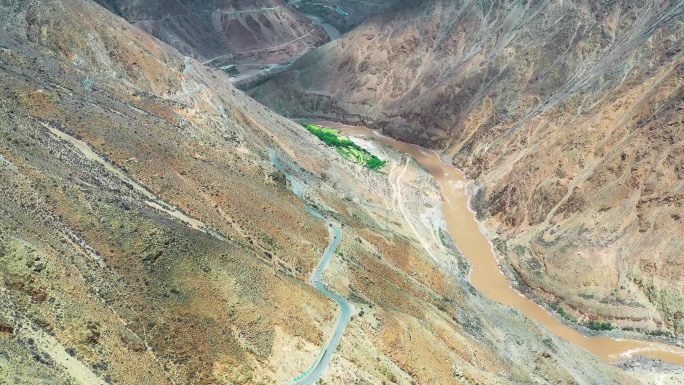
135, 293
145, 238
569, 115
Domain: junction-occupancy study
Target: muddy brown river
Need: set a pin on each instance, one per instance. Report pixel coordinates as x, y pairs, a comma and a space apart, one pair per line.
486, 276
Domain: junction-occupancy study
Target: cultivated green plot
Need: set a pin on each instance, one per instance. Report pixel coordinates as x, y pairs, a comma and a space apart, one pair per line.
345, 147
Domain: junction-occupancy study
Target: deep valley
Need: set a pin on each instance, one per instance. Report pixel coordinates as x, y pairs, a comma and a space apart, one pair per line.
167, 219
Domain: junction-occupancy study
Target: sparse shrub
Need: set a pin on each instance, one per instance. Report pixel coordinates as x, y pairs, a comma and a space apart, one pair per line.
659, 333
559, 309
388, 374
598, 325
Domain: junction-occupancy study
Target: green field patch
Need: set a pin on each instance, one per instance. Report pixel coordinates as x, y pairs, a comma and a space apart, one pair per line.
345, 147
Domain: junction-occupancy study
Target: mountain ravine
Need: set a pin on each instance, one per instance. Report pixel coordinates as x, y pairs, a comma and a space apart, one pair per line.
569, 116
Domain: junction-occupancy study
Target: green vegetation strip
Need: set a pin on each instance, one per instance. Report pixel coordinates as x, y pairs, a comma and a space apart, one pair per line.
591, 324
345, 147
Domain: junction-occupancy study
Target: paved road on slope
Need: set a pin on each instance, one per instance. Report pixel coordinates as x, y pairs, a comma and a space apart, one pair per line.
187, 93
258, 10
260, 49
321, 363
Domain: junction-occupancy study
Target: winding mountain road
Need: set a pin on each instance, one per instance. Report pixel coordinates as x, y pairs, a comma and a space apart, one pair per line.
261, 49
323, 359
257, 10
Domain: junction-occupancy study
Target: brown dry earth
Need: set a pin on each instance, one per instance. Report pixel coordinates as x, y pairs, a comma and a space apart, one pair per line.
146, 238
568, 116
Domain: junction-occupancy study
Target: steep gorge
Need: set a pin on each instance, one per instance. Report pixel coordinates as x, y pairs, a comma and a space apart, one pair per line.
145, 236
567, 115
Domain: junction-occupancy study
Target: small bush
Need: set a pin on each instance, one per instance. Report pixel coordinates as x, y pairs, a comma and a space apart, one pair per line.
388, 374
659, 332
559, 309
598, 325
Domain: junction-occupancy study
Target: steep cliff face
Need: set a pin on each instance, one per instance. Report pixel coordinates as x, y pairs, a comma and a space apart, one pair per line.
270, 30
567, 114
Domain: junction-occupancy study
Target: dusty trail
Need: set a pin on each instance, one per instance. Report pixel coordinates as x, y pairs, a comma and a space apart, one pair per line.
407, 218
258, 10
